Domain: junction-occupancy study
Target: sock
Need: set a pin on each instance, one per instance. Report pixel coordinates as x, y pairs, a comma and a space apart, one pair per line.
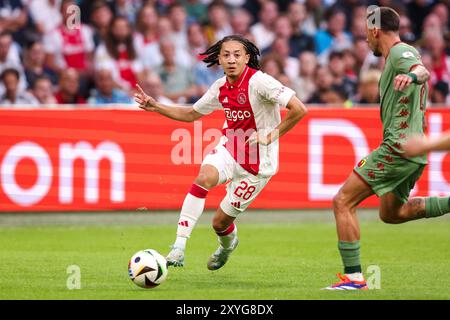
435, 207
350, 256
226, 237
191, 210
357, 276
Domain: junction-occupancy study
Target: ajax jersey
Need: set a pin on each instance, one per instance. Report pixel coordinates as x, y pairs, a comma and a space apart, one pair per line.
251, 104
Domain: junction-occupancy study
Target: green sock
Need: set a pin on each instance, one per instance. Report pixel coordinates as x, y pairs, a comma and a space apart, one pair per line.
435, 207
350, 256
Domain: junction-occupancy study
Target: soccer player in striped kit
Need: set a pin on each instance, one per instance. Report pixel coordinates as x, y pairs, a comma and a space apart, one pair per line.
247, 155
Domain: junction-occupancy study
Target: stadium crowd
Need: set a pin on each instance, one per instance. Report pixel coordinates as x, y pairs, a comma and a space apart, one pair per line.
94, 52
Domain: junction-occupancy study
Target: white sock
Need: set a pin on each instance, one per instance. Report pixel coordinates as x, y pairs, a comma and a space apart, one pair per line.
191, 210
357, 276
227, 237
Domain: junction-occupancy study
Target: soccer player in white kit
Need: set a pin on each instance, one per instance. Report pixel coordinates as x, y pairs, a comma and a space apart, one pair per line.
247, 154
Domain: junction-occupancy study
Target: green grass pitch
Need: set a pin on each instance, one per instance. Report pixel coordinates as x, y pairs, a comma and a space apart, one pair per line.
279, 257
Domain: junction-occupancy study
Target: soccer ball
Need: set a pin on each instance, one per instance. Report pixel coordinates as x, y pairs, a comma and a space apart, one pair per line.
147, 268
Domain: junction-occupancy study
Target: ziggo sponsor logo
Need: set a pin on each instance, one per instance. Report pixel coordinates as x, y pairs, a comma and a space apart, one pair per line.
234, 115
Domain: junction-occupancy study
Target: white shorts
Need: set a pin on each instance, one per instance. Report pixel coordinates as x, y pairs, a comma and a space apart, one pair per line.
243, 187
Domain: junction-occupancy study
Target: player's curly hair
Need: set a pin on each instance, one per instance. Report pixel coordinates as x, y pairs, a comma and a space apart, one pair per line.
212, 53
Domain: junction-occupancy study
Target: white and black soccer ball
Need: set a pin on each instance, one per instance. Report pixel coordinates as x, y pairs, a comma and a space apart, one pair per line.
147, 268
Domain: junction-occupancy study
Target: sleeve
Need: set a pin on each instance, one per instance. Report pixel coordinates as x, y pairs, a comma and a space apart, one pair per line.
209, 101
405, 58
52, 42
272, 90
88, 38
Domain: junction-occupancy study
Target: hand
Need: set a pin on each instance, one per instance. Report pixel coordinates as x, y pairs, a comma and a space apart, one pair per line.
402, 81
146, 102
415, 146
256, 138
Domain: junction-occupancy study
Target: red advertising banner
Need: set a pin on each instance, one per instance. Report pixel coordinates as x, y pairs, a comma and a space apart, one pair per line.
57, 160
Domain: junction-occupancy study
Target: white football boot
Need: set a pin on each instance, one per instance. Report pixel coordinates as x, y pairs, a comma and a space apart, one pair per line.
220, 257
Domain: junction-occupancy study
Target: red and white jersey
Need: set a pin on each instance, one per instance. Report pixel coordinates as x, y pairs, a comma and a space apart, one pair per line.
70, 47
251, 104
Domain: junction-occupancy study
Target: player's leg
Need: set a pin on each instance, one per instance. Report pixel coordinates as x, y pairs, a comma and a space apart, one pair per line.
394, 210
397, 208
226, 231
241, 191
191, 211
354, 190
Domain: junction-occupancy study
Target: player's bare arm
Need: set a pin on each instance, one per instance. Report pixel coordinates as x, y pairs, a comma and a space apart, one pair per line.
418, 75
417, 145
296, 111
148, 103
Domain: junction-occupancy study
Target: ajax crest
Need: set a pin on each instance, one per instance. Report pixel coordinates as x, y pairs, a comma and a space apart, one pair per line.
241, 98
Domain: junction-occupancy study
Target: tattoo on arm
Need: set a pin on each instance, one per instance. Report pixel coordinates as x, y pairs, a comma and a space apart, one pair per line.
422, 74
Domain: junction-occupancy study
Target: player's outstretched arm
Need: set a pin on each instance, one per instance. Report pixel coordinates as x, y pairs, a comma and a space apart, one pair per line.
296, 111
147, 103
418, 75
417, 145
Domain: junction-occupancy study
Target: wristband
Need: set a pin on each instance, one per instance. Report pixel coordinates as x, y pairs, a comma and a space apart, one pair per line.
413, 76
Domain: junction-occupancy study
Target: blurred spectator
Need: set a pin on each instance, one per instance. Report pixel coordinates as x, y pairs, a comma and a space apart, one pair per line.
324, 84
119, 55
153, 86
178, 19
297, 14
314, 15
165, 28
196, 10
101, 17
10, 58
348, 7
104, 92
262, 31
442, 11
435, 45
349, 64
334, 36
68, 88
282, 27
405, 30
417, 11
358, 27
204, 77
127, 9
177, 79
299, 41
272, 64
304, 84
240, 22
146, 27
233, 4
46, 14
219, 23
69, 45
439, 94
34, 59
197, 43
432, 23
13, 95
43, 91
368, 92
13, 19
364, 58
290, 64
340, 79
151, 53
